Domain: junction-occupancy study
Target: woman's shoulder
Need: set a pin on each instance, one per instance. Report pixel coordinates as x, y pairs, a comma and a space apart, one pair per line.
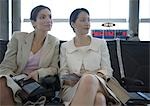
67, 44
52, 37
98, 40
20, 35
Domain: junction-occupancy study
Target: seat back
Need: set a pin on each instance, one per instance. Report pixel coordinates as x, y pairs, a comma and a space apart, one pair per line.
3, 48
136, 60
112, 46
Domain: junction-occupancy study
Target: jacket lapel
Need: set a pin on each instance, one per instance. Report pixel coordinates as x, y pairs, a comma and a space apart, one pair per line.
27, 48
71, 47
45, 51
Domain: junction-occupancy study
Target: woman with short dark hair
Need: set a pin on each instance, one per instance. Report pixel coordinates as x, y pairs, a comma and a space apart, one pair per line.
83, 62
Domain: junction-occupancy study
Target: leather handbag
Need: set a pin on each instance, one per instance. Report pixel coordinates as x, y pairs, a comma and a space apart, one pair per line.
33, 90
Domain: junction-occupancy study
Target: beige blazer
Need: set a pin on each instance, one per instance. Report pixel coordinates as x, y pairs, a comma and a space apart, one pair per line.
96, 58
18, 50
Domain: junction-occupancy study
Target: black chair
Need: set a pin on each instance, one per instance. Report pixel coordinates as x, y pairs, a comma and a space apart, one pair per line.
136, 62
114, 60
3, 48
135, 57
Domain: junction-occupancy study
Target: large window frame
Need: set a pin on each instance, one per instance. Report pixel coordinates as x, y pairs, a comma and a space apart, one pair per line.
108, 13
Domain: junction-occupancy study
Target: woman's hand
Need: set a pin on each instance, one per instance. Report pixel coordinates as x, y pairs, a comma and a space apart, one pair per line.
103, 72
71, 79
34, 75
70, 82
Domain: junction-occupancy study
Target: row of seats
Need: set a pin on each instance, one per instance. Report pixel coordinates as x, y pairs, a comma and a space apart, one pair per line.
134, 58
136, 64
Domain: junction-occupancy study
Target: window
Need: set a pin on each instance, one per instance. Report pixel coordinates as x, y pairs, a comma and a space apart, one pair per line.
144, 25
101, 11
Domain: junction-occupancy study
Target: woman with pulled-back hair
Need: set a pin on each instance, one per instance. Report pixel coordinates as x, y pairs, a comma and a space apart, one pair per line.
85, 66
35, 54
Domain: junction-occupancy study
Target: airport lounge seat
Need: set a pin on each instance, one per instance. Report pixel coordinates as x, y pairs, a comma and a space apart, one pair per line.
3, 48
134, 57
135, 62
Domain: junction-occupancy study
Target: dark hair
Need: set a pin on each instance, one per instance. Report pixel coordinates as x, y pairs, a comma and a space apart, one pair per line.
74, 15
36, 10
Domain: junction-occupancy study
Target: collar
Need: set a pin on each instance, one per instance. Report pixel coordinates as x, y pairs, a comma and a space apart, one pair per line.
93, 45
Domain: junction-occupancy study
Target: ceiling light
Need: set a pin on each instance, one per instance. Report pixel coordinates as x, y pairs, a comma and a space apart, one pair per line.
108, 24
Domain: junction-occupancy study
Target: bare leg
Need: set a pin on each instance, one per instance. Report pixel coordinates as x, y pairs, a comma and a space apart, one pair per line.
100, 99
87, 91
6, 96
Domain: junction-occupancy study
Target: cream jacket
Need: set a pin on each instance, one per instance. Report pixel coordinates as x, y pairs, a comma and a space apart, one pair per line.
95, 59
18, 50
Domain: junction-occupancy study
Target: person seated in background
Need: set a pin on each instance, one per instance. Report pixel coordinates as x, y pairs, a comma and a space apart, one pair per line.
80, 61
35, 54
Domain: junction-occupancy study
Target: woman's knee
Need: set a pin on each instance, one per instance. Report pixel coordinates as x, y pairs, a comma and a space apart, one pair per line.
89, 80
6, 92
3, 87
2, 81
100, 99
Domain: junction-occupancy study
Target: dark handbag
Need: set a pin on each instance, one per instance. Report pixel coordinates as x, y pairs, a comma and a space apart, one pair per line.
33, 90
52, 83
